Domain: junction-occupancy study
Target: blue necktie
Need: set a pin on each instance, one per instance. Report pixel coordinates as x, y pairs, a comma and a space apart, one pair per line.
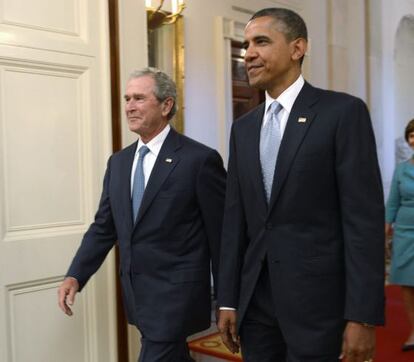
270, 137
139, 182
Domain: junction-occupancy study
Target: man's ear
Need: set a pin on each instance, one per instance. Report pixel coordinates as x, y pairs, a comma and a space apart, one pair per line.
298, 48
167, 105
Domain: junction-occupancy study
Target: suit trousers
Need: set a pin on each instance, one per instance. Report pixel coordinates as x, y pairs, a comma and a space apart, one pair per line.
152, 351
261, 336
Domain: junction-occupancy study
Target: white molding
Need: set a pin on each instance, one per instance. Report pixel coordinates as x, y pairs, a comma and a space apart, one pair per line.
83, 136
15, 290
52, 38
290, 4
39, 254
226, 31
76, 31
133, 53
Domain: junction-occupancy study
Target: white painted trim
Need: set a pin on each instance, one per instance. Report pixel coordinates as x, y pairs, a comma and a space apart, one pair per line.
105, 282
133, 54
133, 51
226, 30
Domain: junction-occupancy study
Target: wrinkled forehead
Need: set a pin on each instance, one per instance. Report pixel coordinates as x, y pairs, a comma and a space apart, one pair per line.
144, 82
142, 86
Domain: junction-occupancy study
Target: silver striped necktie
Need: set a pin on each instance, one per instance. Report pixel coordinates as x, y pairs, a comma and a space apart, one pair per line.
139, 182
270, 137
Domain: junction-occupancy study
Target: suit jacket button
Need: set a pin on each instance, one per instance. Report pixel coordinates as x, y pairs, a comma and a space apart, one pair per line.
269, 226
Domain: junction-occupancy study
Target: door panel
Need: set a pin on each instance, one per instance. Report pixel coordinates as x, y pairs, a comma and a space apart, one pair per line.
55, 132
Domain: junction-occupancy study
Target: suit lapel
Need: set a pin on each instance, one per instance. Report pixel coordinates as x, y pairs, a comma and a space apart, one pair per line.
253, 155
166, 161
295, 131
126, 167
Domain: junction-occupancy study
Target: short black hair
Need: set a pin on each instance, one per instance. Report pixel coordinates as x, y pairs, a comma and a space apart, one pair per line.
409, 129
290, 23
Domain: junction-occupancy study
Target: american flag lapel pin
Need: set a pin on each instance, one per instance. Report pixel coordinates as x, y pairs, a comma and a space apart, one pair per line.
301, 119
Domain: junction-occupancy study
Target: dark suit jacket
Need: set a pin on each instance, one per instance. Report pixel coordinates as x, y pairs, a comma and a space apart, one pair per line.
165, 256
323, 231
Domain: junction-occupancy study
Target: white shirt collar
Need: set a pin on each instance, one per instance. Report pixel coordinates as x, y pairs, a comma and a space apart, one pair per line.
155, 144
288, 96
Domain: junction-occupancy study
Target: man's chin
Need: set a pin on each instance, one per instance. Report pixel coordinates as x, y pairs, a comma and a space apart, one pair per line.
256, 83
134, 128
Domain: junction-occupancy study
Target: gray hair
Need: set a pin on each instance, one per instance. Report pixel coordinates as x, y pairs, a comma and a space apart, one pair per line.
164, 86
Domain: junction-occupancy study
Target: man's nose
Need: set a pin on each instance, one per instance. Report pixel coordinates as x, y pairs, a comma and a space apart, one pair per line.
130, 106
249, 54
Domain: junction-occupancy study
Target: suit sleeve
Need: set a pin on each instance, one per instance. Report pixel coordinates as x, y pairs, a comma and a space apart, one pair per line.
234, 240
394, 198
362, 210
97, 241
211, 184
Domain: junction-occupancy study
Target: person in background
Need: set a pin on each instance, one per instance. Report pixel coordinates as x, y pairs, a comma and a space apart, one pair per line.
162, 202
399, 224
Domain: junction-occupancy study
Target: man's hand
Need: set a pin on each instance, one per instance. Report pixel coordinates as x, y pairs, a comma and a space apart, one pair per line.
388, 241
358, 343
228, 330
66, 294
388, 230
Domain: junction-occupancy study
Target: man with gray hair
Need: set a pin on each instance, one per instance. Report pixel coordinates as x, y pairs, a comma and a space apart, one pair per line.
162, 202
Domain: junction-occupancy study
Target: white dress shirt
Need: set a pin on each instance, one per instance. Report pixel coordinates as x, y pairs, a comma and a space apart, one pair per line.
286, 99
149, 160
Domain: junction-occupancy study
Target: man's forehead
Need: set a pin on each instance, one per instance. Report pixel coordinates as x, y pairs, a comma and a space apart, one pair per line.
143, 79
263, 26
143, 82
265, 22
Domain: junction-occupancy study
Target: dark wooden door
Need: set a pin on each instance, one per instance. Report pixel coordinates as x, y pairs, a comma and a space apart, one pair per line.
245, 98
122, 324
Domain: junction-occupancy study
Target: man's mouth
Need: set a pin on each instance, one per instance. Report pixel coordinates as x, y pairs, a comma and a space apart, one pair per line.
253, 67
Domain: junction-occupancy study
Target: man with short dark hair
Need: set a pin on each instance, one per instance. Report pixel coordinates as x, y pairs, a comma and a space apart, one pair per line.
302, 255
162, 200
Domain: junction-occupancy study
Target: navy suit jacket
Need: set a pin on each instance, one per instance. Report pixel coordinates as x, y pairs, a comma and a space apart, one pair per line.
322, 233
165, 255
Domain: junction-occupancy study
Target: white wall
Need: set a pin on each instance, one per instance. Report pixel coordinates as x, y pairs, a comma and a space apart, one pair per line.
315, 14
347, 47
358, 53
385, 88
132, 48
133, 55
